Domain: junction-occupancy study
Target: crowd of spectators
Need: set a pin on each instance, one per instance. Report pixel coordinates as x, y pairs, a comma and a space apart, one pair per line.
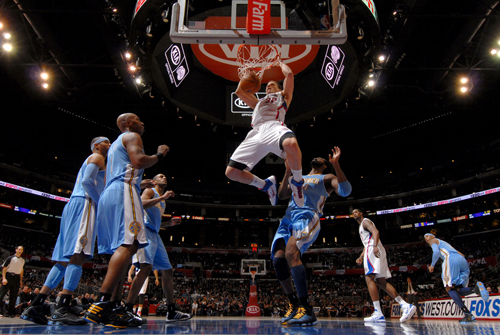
225, 292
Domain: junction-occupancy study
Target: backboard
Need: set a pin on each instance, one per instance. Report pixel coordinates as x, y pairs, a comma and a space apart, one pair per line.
310, 23
258, 266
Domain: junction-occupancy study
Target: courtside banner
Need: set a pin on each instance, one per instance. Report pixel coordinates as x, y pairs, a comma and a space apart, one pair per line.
259, 17
447, 309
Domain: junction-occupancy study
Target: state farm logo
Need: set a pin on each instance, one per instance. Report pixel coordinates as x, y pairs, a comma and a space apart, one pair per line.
221, 59
253, 309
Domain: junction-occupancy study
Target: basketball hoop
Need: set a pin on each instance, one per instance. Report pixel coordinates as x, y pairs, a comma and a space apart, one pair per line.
256, 58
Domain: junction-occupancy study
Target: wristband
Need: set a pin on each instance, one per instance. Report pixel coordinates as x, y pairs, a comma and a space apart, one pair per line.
159, 155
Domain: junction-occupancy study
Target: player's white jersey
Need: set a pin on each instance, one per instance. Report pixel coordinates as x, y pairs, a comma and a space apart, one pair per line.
366, 236
272, 107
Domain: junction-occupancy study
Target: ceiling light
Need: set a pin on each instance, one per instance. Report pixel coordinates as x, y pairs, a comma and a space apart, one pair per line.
463, 89
46, 86
132, 68
1, 25
7, 47
381, 58
164, 15
371, 83
128, 55
494, 51
371, 75
464, 80
44, 75
7, 36
115, 10
138, 80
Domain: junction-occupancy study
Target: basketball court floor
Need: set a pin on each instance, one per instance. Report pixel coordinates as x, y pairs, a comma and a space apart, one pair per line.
260, 325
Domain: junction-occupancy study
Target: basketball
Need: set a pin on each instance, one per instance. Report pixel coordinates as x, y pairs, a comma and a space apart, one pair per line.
250, 83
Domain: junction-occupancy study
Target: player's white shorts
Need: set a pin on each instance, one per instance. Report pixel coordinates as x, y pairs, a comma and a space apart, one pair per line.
154, 253
455, 271
77, 233
304, 225
260, 141
120, 218
376, 265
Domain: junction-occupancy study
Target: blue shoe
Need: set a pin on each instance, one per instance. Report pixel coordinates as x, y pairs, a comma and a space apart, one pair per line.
304, 318
290, 313
467, 319
481, 291
297, 191
271, 190
408, 311
375, 317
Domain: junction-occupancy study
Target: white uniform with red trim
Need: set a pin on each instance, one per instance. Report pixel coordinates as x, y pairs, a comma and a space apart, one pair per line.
268, 126
373, 265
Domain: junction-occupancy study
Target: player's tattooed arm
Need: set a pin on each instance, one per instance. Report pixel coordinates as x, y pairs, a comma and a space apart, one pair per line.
368, 225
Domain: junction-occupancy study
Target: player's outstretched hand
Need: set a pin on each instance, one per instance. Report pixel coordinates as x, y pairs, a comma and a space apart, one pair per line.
163, 149
336, 155
175, 221
147, 183
168, 194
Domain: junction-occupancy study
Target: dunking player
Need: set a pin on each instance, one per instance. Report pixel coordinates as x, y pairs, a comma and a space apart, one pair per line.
144, 288
120, 222
299, 228
374, 259
455, 274
154, 256
76, 240
269, 134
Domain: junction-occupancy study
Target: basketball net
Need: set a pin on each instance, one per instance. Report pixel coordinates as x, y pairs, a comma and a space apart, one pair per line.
256, 58
253, 275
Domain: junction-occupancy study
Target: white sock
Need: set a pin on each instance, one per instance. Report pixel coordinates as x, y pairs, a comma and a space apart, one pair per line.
400, 300
376, 304
297, 175
257, 182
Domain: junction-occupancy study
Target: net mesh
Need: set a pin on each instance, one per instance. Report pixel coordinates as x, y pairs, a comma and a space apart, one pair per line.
256, 58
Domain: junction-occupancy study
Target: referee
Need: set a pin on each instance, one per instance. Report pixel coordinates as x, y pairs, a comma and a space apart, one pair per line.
12, 278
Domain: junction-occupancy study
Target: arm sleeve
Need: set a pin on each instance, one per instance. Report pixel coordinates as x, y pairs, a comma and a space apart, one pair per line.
435, 254
7, 262
88, 183
344, 188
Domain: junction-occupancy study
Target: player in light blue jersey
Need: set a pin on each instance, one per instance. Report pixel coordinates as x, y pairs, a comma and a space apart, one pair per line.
455, 274
154, 256
299, 228
75, 243
120, 222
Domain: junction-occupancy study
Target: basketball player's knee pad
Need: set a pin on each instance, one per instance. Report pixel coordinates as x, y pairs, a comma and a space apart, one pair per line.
55, 276
281, 268
72, 277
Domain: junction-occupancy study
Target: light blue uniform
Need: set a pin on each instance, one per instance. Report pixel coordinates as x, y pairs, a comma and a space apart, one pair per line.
155, 253
303, 222
120, 214
78, 231
455, 269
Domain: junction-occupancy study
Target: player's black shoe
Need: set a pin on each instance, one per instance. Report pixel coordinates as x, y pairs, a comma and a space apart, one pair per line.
35, 314
63, 316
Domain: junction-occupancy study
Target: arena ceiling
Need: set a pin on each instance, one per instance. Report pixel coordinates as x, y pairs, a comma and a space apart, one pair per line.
413, 117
